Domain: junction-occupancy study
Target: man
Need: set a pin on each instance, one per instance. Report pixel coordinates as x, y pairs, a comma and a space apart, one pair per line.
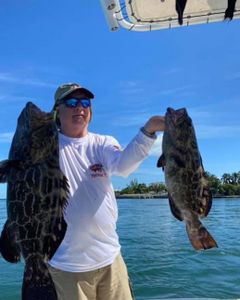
88, 264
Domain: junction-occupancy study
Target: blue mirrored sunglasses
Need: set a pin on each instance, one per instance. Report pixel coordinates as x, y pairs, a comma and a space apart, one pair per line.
73, 102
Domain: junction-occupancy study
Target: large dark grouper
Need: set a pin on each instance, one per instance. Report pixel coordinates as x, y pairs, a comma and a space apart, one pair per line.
189, 195
36, 196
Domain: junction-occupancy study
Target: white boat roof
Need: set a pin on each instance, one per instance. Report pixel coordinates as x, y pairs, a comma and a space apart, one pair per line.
143, 15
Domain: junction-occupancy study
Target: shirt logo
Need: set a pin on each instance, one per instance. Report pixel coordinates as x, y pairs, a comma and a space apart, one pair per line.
97, 170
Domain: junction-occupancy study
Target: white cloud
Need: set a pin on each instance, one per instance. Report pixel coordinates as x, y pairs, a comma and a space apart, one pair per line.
148, 173
131, 119
211, 122
171, 71
13, 99
233, 76
11, 78
217, 131
6, 137
200, 112
184, 90
131, 87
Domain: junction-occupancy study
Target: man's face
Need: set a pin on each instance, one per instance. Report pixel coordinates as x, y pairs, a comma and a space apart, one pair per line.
72, 118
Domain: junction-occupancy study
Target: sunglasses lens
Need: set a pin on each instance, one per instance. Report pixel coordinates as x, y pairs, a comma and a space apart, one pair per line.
85, 103
71, 102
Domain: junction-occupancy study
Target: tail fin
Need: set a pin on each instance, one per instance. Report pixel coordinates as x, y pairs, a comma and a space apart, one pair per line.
199, 237
37, 281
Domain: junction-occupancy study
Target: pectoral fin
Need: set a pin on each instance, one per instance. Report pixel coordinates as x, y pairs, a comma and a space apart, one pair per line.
8, 247
4, 169
6, 166
161, 162
207, 196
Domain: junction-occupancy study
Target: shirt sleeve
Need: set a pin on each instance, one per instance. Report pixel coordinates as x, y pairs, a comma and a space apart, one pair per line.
123, 162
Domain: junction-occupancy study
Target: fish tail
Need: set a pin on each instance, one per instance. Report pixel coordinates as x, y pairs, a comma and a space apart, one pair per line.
37, 281
199, 237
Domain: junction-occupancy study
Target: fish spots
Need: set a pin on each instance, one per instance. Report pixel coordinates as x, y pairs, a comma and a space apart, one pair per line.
189, 195
37, 177
46, 203
36, 197
56, 183
43, 186
179, 161
31, 229
28, 207
59, 226
29, 177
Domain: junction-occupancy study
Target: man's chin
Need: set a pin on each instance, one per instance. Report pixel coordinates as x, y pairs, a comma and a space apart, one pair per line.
78, 119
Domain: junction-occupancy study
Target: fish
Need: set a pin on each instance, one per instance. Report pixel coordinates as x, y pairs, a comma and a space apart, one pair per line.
37, 193
189, 195
230, 9
180, 7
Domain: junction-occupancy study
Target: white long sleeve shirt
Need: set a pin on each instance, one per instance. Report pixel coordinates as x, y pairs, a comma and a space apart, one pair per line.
91, 241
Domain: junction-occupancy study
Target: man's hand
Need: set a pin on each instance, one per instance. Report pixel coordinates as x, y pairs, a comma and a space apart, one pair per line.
155, 123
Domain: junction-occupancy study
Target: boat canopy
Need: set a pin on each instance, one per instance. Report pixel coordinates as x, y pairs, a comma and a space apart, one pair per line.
145, 15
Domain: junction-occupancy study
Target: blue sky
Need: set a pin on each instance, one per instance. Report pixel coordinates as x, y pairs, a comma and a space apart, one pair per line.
133, 75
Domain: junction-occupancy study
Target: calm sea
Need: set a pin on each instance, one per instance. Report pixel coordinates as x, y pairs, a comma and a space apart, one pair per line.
160, 259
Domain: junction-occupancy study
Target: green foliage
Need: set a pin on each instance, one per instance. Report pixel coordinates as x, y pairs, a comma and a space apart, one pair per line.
214, 182
141, 188
228, 185
233, 178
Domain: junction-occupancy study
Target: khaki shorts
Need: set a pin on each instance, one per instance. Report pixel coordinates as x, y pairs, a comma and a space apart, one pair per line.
108, 283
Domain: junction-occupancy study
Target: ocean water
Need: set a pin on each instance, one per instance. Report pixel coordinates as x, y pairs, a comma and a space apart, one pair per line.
161, 262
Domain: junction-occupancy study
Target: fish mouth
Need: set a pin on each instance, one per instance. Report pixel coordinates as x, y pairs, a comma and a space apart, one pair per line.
37, 115
32, 117
176, 116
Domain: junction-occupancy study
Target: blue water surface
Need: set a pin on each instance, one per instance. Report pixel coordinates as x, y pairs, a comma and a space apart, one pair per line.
161, 261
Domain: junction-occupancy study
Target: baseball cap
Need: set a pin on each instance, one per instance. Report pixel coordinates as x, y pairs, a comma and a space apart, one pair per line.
68, 88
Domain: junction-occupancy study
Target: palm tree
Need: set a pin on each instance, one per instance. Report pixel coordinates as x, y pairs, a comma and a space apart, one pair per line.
226, 178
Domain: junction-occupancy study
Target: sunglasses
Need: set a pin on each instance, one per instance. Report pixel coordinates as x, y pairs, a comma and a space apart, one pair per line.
73, 102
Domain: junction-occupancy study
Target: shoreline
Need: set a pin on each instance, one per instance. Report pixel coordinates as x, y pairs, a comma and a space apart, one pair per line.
156, 196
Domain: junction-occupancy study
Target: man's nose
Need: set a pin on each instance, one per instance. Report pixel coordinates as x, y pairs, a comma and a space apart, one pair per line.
79, 105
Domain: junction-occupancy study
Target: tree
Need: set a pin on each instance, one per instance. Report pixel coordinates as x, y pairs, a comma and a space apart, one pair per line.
157, 187
233, 178
214, 182
229, 189
132, 187
226, 178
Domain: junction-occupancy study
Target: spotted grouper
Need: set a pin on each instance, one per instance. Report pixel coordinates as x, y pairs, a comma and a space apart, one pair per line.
189, 195
37, 193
